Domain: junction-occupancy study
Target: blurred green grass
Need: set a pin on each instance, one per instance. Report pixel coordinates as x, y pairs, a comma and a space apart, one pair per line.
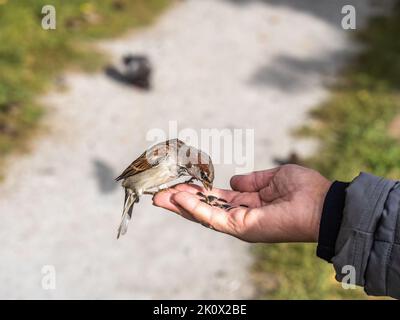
352, 128
31, 57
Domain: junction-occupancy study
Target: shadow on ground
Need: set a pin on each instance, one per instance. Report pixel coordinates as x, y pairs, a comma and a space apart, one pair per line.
327, 10
105, 176
292, 74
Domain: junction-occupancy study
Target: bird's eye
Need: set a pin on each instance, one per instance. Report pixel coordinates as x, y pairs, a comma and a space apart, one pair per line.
203, 176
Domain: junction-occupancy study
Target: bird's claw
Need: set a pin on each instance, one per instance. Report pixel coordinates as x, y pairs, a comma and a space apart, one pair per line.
192, 179
154, 192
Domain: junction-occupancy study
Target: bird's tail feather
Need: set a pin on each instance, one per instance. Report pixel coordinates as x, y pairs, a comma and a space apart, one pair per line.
130, 199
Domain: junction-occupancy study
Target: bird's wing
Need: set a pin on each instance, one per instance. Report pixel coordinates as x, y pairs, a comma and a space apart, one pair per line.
151, 158
139, 165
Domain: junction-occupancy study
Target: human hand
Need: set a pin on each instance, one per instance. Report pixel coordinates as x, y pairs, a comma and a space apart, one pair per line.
284, 205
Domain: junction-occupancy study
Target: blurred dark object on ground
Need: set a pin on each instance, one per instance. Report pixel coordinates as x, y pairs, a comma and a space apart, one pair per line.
118, 4
137, 71
293, 158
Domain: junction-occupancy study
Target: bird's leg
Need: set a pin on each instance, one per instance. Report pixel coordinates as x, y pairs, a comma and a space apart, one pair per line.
159, 189
154, 192
192, 179
183, 182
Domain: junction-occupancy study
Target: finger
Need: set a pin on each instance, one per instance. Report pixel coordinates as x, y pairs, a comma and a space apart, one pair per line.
227, 195
250, 199
254, 181
269, 193
164, 200
207, 215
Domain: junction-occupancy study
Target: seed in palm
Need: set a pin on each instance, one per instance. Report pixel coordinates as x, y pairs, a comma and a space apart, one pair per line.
200, 194
212, 198
230, 208
226, 206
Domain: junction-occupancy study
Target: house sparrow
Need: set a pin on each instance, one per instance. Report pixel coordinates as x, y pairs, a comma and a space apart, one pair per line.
161, 164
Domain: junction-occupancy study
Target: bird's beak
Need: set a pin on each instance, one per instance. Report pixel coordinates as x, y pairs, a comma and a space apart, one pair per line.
207, 185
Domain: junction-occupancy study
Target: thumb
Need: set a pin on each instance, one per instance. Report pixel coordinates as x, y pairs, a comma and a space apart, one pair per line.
254, 181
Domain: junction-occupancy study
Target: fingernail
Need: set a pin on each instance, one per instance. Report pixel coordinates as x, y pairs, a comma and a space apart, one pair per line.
237, 177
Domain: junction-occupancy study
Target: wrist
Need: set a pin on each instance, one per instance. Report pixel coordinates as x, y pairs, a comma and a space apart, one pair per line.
330, 219
322, 192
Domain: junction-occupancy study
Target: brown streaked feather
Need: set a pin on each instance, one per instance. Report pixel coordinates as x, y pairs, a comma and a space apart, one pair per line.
204, 162
204, 167
155, 154
139, 165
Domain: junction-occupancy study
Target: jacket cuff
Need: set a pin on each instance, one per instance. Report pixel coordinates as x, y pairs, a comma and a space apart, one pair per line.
366, 237
331, 219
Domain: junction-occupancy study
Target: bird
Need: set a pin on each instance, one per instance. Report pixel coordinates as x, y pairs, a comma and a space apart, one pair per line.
161, 164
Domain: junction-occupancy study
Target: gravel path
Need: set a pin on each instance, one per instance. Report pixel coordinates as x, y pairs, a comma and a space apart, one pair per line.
219, 64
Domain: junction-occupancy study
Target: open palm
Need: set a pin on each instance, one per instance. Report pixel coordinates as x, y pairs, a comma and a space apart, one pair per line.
284, 205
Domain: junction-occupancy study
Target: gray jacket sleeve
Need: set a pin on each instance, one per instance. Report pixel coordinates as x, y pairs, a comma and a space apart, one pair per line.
369, 235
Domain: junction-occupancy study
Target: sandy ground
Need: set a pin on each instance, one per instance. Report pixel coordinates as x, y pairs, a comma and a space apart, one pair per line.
218, 64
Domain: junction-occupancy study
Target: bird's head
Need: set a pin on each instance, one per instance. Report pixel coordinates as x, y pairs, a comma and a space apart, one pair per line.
197, 164
204, 172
